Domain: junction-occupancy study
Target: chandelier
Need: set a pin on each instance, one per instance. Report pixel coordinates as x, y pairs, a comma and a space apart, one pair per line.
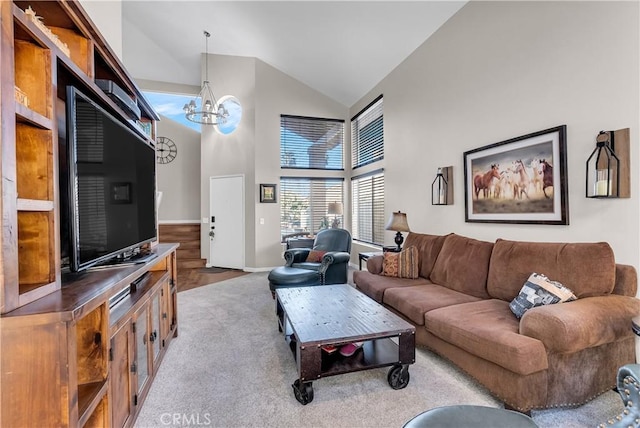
205, 109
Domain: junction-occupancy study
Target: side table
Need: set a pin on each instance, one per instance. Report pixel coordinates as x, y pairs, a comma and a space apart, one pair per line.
365, 256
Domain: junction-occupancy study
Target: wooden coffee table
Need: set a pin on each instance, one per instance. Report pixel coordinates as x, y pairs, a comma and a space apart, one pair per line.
313, 317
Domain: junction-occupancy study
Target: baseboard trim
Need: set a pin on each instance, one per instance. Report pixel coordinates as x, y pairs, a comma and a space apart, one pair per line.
261, 269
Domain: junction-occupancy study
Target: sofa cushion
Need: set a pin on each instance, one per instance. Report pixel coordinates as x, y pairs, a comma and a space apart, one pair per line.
414, 301
374, 285
488, 329
429, 247
588, 269
462, 265
539, 290
401, 265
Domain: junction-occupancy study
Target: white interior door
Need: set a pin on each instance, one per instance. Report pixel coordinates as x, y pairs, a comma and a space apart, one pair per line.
226, 222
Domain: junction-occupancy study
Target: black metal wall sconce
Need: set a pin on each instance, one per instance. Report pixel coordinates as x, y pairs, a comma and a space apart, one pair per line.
442, 187
608, 166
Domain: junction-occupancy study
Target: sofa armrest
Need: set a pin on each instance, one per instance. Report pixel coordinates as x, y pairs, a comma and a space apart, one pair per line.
583, 323
296, 255
626, 280
374, 264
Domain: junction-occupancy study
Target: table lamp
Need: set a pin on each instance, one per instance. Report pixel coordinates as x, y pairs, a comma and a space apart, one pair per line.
335, 208
398, 223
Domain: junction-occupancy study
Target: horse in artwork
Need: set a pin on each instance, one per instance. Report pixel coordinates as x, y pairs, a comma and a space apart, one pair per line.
547, 176
521, 180
483, 181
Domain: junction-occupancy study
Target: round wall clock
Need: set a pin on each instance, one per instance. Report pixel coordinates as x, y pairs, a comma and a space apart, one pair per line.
166, 150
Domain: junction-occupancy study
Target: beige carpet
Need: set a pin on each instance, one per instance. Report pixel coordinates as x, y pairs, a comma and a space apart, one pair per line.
230, 367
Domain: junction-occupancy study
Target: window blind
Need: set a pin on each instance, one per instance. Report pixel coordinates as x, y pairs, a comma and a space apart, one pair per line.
304, 203
367, 134
368, 220
311, 143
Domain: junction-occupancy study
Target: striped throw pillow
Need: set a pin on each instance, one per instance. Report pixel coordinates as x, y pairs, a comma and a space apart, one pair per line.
401, 265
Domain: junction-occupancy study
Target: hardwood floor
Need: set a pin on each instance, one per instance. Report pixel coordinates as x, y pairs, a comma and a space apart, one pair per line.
189, 278
191, 270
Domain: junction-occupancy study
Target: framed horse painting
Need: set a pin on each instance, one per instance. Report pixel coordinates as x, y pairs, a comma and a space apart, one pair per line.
521, 180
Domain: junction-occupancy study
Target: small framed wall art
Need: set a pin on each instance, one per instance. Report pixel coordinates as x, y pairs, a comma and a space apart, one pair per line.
268, 193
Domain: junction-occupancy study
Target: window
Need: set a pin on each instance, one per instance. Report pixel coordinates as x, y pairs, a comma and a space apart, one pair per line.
367, 135
170, 105
368, 208
311, 143
304, 203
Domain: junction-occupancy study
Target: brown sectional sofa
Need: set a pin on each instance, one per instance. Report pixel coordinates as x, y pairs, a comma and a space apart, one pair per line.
554, 356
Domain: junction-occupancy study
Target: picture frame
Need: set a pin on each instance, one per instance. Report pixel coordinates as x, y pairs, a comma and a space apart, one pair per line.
521, 180
268, 193
121, 193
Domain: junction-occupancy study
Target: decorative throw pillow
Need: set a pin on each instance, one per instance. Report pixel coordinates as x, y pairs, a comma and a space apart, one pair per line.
401, 265
315, 256
538, 291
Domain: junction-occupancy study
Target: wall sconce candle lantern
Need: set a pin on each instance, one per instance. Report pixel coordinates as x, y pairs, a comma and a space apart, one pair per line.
442, 187
608, 168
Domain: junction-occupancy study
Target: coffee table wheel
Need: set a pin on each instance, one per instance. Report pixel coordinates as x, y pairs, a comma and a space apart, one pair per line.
303, 391
398, 376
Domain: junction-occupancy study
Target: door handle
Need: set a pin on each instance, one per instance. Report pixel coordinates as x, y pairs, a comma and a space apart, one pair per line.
212, 233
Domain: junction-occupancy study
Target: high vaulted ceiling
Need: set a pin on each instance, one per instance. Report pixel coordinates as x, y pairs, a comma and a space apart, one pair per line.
340, 48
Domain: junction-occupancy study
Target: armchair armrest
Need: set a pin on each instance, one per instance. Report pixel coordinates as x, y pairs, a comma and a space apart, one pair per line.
584, 323
333, 257
296, 255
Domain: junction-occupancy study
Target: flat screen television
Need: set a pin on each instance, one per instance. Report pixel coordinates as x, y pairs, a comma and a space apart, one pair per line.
108, 191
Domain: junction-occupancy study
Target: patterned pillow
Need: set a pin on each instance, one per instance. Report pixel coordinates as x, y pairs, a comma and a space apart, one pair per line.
315, 256
538, 291
401, 265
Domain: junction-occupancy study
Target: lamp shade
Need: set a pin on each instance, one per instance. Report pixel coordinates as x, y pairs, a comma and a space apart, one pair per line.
335, 208
398, 222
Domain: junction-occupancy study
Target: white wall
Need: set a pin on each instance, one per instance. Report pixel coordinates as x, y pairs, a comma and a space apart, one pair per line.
498, 70
254, 148
179, 180
232, 154
276, 94
107, 15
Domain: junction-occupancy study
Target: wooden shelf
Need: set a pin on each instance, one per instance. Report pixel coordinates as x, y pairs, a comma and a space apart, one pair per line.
80, 47
33, 75
97, 417
56, 324
27, 116
34, 163
36, 252
134, 300
34, 205
90, 396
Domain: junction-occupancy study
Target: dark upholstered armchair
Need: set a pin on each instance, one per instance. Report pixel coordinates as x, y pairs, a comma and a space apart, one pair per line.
629, 390
332, 246
334, 264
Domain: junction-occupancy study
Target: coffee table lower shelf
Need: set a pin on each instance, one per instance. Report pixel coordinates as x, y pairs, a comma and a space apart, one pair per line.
380, 348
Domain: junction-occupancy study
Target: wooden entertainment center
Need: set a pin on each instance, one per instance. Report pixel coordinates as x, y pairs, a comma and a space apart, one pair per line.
77, 349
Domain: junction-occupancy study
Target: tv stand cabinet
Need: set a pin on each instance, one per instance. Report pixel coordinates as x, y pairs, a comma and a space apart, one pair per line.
70, 355
82, 357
